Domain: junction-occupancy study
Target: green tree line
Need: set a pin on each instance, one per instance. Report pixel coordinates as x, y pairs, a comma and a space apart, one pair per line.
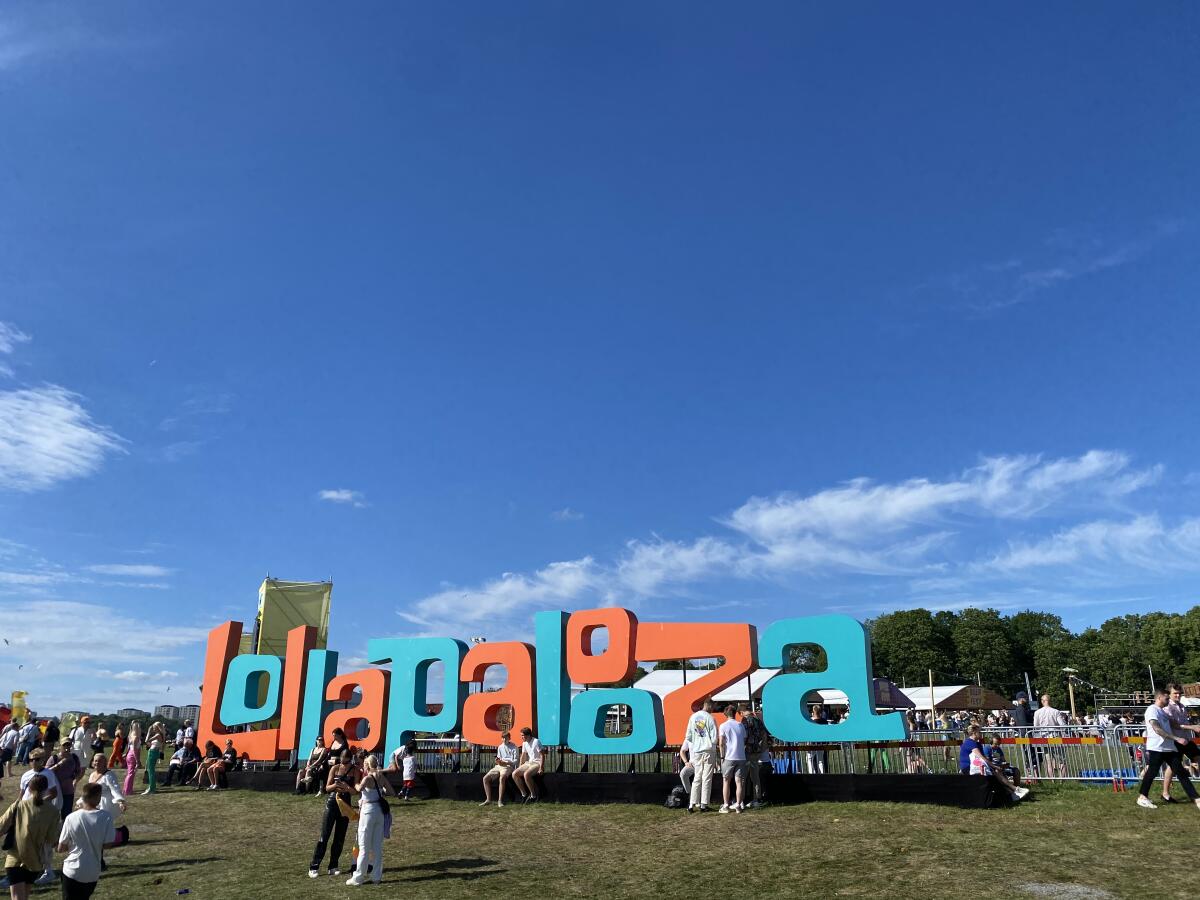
961, 646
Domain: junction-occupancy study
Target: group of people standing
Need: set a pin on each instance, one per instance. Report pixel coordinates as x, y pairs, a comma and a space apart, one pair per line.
737, 749
45, 816
341, 774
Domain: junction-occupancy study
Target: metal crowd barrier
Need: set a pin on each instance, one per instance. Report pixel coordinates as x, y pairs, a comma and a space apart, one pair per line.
1085, 754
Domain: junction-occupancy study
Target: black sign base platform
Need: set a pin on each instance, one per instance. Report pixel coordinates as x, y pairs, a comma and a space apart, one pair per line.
972, 791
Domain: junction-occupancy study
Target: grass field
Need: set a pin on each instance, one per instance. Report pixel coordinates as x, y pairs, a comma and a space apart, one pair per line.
1070, 842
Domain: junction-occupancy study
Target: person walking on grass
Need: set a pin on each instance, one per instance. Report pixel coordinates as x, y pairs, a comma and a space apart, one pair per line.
33, 821
86, 834
372, 813
702, 739
343, 775
1162, 749
133, 753
1181, 727
66, 768
731, 740
53, 797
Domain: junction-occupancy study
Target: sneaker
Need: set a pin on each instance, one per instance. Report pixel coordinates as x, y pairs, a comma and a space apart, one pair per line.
1197, 802
533, 798
1169, 800
335, 871
147, 792
737, 809
499, 802
756, 804
1145, 802
313, 873
723, 809
213, 788
524, 798
1021, 793
354, 881
46, 878
691, 809
485, 802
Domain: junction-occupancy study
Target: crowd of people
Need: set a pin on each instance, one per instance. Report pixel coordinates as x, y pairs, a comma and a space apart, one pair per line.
71, 800
70, 797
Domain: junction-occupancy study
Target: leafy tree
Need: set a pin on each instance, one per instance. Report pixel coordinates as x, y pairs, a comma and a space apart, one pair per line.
905, 645
1025, 629
981, 645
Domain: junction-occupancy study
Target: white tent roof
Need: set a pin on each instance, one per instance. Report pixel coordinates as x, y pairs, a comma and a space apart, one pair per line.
664, 681
942, 693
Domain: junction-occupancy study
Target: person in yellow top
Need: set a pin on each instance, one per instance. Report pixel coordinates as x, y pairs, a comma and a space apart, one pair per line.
34, 822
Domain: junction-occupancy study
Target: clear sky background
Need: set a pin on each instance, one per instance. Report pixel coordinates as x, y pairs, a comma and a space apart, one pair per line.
483, 309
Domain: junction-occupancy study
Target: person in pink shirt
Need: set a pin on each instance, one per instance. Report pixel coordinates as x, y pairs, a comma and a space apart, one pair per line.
132, 754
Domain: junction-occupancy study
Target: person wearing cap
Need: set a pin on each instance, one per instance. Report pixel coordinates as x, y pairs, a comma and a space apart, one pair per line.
66, 768
507, 755
51, 795
530, 766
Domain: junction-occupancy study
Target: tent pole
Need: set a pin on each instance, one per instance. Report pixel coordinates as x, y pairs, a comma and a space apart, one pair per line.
932, 703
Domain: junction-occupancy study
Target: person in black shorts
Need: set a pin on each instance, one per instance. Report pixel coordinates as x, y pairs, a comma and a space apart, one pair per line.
1181, 726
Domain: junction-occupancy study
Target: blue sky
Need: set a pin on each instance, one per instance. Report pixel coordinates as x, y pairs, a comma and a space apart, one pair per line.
484, 309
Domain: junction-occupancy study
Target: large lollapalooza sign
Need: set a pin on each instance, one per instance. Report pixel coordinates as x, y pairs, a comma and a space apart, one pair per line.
303, 693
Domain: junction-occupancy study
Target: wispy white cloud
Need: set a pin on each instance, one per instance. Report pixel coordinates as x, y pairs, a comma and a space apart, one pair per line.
10, 337
1143, 542
344, 496
566, 514
509, 597
44, 34
134, 675
1064, 256
61, 673
132, 571
647, 569
197, 407
178, 450
46, 436
900, 530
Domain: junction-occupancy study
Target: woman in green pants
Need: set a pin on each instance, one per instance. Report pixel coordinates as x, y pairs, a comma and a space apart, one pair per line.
155, 738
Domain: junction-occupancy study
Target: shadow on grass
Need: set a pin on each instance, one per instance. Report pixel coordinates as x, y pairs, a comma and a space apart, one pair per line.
150, 868
443, 870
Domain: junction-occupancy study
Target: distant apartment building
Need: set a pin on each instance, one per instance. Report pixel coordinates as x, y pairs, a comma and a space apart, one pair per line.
189, 712
167, 712
130, 713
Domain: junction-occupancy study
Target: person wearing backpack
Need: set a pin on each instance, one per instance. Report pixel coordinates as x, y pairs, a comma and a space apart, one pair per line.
756, 737
373, 791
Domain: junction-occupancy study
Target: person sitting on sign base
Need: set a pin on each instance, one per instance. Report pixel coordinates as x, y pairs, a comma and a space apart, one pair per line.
530, 766
507, 755
687, 771
977, 763
183, 763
